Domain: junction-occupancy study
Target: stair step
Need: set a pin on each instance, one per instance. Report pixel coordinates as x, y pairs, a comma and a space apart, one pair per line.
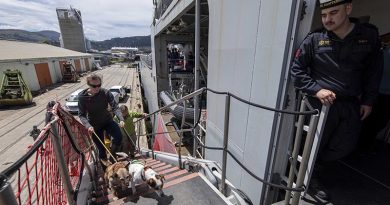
173, 175
162, 168
149, 159
173, 169
181, 179
153, 163
155, 166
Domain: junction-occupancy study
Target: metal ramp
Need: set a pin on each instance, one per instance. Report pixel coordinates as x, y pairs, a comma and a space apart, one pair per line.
180, 187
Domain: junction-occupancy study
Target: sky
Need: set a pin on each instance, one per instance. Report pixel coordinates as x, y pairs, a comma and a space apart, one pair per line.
102, 19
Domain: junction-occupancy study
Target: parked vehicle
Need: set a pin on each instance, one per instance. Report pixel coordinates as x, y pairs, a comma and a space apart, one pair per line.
116, 96
97, 66
72, 102
128, 89
119, 89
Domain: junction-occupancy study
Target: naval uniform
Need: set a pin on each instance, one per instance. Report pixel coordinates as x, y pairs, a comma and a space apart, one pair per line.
349, 67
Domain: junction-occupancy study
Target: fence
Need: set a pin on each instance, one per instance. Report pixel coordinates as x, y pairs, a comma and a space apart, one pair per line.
51, 170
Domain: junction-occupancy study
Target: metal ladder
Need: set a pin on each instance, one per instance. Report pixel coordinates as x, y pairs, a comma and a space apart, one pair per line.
302, 164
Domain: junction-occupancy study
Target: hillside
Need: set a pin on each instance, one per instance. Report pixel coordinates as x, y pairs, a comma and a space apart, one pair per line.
135, 41
52, 37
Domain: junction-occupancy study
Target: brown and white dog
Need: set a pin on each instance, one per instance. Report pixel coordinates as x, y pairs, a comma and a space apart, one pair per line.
145, 174
117, 176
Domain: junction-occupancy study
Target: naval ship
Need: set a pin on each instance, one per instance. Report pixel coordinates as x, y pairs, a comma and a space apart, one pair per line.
225, 124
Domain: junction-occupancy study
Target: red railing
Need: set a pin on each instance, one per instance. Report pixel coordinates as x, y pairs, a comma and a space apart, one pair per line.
47, 174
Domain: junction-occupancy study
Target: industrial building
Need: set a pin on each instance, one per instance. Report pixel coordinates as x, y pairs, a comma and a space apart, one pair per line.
71, 27
41, 64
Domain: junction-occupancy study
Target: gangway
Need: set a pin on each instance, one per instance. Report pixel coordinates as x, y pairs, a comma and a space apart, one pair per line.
62, 166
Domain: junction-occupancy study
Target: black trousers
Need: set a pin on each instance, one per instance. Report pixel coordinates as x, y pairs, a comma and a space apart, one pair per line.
342, 128
375, 123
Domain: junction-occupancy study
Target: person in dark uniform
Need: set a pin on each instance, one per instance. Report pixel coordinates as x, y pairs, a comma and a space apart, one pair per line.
377, 126
49, 113
95, 116
34, 133
190, 63
339, 65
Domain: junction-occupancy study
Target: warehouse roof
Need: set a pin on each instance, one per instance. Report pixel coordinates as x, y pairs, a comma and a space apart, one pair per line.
15, 50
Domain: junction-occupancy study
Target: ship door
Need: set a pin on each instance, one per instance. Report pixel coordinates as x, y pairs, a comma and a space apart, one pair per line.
301, 25
363, 176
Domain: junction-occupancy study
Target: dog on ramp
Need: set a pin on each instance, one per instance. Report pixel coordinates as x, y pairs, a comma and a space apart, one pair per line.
144, 174
118, 177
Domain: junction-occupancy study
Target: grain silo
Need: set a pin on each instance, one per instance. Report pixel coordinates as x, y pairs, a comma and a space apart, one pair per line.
71, 27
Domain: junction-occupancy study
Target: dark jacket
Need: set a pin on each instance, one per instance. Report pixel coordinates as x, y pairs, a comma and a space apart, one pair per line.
350, 67
93, 110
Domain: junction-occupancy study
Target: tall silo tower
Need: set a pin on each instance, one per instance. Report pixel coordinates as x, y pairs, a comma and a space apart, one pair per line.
71, 27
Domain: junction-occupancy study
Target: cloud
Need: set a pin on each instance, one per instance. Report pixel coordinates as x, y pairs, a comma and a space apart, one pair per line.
102, 19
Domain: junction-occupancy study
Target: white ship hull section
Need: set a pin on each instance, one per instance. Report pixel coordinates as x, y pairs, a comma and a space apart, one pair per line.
246, 52
175, 9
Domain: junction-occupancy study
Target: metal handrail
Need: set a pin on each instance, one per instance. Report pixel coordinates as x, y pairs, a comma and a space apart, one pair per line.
314, 113
201, 90
197, 92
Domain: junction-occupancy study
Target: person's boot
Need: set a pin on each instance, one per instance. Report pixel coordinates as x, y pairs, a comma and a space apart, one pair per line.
316, 187
318, 190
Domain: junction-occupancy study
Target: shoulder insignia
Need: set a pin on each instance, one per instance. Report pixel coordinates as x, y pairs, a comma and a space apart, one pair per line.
324, 42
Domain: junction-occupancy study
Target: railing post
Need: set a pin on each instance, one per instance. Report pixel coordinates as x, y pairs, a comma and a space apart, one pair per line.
295, 152
305, 156
197, 67
153, 125
183, 120
7, 196
225, 144
62, 167
139, 135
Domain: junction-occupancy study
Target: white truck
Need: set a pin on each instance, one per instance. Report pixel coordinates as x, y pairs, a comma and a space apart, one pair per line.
116, 96
120, 90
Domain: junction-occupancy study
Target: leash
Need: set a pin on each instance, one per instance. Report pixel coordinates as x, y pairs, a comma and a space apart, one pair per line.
128, 136
135, 146
104, 146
